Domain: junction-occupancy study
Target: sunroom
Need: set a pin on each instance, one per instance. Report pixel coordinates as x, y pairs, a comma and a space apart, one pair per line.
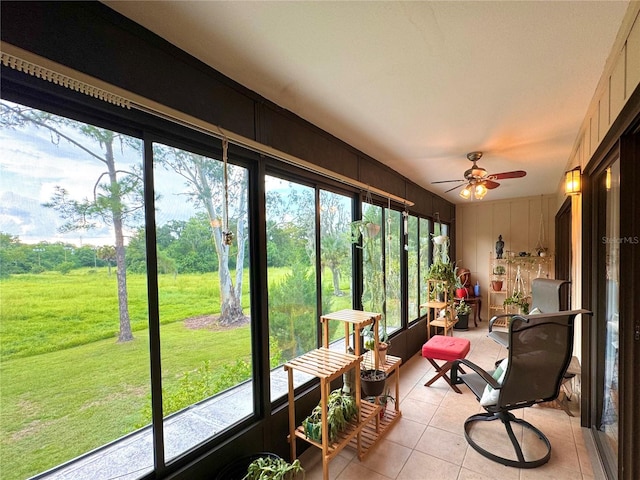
172, 233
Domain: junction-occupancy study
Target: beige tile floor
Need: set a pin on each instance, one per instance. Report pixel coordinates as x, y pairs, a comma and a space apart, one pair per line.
428, 441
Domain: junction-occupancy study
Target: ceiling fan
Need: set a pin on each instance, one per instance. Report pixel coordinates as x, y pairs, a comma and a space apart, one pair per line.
478, 181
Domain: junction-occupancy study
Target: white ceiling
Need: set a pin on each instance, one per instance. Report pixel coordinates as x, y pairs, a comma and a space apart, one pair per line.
415, 85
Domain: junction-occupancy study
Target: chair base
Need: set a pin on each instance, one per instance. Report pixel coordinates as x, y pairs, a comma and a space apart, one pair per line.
507, 418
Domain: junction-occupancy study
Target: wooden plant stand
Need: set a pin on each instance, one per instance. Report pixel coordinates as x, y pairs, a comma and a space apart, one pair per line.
328, 365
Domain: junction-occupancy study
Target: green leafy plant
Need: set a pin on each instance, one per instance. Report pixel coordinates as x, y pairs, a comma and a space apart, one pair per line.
442, 271
499, 270
364, 233
341, 409
272, 468
518, 299
463, 308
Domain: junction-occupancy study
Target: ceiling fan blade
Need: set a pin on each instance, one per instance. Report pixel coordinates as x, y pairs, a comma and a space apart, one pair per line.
505, 175
448, 181
490, 184
457, 186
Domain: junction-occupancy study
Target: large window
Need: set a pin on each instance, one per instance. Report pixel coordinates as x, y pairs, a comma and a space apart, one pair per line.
412, 246
73, 286
111, 290
393, 279
335, 251
291, 274
425, 255
203, 278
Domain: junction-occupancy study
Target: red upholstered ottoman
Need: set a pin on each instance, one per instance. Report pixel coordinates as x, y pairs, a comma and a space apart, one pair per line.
441, 347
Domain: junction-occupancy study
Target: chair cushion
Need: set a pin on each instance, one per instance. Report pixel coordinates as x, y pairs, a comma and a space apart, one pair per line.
440, 347
490, 394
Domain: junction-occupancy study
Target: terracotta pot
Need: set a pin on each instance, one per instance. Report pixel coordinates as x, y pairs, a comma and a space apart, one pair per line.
382, 353
496, 285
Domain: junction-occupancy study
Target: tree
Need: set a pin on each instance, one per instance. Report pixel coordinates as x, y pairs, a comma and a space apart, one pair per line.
117, 194
107, 254
13, 256
204, 180
335, 245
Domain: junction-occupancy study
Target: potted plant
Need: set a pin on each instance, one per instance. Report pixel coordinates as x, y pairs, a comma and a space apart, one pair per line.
372, 382
263, 466
496, 283
463, 310
365, 228
341, 409
444, 274
461, 291
383, 400
519, 300
273, 468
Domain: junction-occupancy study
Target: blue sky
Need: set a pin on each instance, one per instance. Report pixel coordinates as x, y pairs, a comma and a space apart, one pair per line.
31, 166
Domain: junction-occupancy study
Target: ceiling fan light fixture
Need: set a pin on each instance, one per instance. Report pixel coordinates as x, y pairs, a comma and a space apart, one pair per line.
479, 191
466, 192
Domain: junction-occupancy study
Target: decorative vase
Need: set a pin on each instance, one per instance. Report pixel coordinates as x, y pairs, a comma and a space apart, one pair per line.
461, 293
382, 353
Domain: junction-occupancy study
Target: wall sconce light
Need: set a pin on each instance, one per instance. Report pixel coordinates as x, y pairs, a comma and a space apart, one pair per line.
572, 182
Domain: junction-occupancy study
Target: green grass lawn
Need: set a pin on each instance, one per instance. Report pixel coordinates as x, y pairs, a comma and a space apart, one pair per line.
63, 375
93, 393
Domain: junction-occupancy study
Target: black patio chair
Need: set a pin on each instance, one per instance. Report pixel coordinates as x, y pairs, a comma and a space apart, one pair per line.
540, 350
546, 297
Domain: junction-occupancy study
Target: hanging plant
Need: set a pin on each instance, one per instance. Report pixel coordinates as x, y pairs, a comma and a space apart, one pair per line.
364, 233
518, 299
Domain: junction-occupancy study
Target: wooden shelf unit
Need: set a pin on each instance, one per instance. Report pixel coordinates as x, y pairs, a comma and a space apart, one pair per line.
530, 267
327, 365
433, 308
374, 431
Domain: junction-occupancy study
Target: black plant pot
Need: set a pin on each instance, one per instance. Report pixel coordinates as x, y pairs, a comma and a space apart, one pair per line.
463, 322
372, 382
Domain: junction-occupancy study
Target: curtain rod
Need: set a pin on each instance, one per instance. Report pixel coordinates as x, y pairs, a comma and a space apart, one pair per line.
35, 65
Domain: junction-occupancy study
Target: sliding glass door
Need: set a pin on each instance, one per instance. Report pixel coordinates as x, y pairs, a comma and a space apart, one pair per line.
608, 406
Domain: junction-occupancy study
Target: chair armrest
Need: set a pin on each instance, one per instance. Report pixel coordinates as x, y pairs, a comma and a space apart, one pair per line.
497, 317
479, 370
